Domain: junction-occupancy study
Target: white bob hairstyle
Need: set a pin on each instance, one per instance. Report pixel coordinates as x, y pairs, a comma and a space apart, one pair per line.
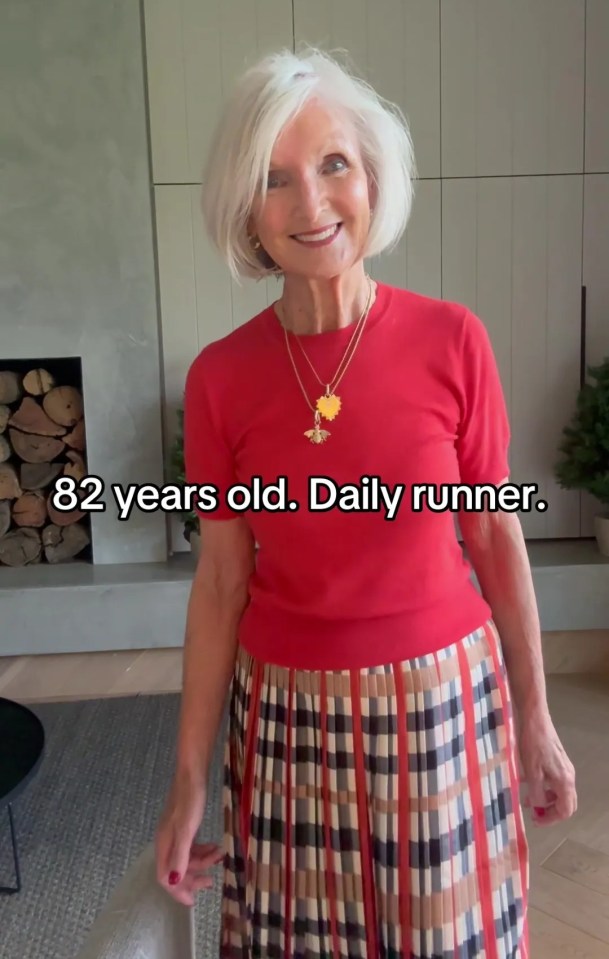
264, 99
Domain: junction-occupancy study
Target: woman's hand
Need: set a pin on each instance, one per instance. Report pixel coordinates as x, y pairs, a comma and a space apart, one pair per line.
548, 772
182, 865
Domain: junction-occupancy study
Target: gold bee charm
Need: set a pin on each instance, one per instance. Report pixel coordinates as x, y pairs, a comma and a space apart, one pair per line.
329, 405
317, 435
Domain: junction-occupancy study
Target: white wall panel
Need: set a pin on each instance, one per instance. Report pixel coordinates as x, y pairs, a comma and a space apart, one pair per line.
195, 51
511, 251
195, 302
198, 300
597, 87
512, 87
596, 281
395, 45
415, 263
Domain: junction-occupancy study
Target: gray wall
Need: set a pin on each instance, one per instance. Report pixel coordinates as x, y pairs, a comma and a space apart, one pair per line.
77, 271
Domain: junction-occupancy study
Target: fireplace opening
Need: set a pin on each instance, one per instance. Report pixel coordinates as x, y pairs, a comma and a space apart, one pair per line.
42, 439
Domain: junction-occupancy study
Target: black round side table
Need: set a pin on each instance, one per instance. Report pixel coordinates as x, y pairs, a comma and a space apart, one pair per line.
21, 751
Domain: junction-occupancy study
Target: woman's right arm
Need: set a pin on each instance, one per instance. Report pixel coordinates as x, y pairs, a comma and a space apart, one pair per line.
217, 601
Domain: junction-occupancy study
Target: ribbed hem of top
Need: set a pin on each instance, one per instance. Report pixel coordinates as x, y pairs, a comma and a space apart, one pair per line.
286, 639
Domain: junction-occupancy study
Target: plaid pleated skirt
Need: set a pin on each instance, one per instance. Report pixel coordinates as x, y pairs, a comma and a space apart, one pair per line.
375, 813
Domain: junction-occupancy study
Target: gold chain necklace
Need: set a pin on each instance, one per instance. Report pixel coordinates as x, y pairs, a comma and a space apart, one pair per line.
329, 404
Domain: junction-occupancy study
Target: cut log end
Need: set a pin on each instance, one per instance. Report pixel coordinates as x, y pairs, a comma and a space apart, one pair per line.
31, 418
5, 516
34, 448
11, 388
5, 412
60, 518
38, 382
64, 543
30, 510
21, 547
64, 405
35, 476
76, 439
76, 470
9, 483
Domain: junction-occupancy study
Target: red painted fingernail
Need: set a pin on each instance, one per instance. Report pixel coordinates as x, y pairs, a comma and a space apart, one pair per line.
174, 877
540, 810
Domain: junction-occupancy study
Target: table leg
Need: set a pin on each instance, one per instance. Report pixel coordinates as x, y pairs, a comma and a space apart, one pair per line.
8, 890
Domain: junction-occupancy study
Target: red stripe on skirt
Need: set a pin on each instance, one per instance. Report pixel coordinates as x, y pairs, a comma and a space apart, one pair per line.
403, 812
248, 771
288, 824
330, 874
524, 946
514, 779
475, 787
363, 821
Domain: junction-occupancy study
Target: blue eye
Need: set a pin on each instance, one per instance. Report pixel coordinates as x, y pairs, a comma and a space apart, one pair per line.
272, 181
336, 160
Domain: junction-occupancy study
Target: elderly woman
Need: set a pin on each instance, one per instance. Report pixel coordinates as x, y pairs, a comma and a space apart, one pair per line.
377, 698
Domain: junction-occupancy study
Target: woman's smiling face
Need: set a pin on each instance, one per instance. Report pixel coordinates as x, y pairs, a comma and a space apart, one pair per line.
315, 219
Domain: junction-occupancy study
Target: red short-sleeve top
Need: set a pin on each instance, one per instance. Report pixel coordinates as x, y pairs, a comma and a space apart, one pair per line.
369, 579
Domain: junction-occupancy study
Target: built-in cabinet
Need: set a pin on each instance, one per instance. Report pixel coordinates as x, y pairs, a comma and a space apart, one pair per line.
511, 248
507, 105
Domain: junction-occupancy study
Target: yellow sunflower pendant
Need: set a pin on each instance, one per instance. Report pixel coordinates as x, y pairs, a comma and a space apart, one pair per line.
329, 405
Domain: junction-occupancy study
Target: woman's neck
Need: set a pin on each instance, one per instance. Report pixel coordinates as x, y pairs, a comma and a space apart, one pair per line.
309, 306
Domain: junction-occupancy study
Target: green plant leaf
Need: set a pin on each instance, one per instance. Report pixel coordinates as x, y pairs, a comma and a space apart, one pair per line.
585, 440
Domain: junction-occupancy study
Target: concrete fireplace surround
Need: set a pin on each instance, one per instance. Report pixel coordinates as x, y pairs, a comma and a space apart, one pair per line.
77, 261
78, 277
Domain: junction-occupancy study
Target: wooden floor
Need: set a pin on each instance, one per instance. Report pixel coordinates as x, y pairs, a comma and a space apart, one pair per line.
569, 862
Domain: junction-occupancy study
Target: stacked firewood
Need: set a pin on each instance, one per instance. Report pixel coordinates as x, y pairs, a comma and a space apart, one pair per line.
42, 437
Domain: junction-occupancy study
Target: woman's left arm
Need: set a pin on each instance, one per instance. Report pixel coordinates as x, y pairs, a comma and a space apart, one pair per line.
497, 551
